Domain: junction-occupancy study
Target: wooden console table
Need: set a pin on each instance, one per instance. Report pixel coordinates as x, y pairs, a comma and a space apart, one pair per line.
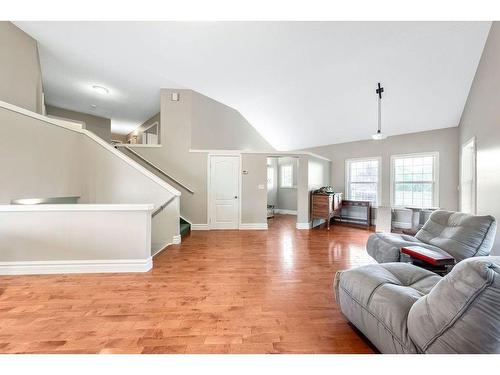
365, 220
325, 206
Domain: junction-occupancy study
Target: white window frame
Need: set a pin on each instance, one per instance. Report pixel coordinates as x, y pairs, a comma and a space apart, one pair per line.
292, 186
270, 168
348, 177
435, 192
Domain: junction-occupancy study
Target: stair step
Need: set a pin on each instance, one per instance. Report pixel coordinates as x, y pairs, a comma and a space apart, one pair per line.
185, 227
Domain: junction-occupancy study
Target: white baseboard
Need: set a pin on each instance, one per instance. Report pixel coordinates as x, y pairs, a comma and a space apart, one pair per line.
199, 227
253, 226
285, 212
303, 225
75, 266
177, 239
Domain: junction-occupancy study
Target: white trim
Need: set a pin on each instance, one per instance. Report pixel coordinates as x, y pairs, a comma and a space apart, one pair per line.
75, 266
61, 123
78, 129
65, 119
75, 207
199, 227
253, 226
269, 153
188, 221
303, 225
435, 196
176, 239
347, 176
285, 212
156, 123
138, 145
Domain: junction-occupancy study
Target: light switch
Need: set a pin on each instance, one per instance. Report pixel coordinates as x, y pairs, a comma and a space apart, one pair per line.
261, 187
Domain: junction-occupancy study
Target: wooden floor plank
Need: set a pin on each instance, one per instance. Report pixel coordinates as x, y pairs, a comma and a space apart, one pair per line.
217, 292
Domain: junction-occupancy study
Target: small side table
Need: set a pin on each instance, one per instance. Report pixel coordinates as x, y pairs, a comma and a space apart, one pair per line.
437, 262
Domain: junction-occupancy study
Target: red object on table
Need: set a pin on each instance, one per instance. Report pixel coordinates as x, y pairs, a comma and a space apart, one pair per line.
432, 257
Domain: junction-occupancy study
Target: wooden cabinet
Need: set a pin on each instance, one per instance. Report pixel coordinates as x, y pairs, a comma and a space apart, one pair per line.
325, 206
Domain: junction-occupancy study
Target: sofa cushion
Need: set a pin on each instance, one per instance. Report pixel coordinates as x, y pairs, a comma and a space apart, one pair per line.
377, 298
462, 312
386, 247
461, 235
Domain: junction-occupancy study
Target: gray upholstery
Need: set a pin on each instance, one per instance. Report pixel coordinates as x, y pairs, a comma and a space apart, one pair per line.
458, 234
461, 314
386, 247
377, 298
402, 308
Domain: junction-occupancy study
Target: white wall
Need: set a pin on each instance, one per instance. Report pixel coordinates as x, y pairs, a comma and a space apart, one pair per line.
198, 122
20, 73
38, 160
45, 160
100, 126
480, 119
444, 141
59, 234
253, 198
218, 127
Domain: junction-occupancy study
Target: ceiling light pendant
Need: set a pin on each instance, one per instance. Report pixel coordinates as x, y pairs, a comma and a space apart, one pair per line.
379, 135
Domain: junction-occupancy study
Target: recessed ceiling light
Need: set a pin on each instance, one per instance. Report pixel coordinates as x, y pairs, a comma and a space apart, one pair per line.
93, 106
100, 89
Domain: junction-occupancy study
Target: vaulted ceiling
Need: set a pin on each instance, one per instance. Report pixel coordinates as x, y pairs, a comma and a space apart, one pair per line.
300, 84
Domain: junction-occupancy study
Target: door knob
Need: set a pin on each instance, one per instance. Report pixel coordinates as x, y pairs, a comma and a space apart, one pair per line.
235, 197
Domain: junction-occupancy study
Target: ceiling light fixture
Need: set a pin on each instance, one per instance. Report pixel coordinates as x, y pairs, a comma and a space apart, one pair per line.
100, 89
379, 135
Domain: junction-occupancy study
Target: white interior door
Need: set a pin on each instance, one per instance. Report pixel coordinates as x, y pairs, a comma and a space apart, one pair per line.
224, 189
468, 178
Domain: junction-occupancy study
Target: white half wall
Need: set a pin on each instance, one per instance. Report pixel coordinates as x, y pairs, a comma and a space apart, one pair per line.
75, 238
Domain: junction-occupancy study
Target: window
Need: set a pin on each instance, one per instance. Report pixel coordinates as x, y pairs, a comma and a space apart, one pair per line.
362, 179
414, 180
270, 177
286, 176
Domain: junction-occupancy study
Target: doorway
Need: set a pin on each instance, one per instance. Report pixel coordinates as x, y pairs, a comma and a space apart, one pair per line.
224, 192
282, 198
468, 177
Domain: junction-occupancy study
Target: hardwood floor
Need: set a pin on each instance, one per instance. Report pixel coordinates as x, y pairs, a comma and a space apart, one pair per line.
217, 292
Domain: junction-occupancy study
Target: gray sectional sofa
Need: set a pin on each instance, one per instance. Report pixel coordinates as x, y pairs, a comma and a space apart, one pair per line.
402, 308
457, 234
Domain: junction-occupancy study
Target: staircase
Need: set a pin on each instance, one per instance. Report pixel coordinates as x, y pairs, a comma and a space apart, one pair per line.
185, 227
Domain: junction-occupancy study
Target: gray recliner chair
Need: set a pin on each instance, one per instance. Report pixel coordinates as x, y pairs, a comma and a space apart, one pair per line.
457, 234
402, 308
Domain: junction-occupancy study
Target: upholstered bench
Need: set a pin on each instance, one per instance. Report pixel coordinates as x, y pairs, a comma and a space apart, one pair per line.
402, 308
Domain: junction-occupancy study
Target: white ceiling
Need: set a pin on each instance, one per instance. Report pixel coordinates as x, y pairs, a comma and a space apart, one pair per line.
300, 84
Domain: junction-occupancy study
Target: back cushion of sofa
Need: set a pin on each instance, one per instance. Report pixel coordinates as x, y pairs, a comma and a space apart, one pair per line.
461, 313
461, 235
